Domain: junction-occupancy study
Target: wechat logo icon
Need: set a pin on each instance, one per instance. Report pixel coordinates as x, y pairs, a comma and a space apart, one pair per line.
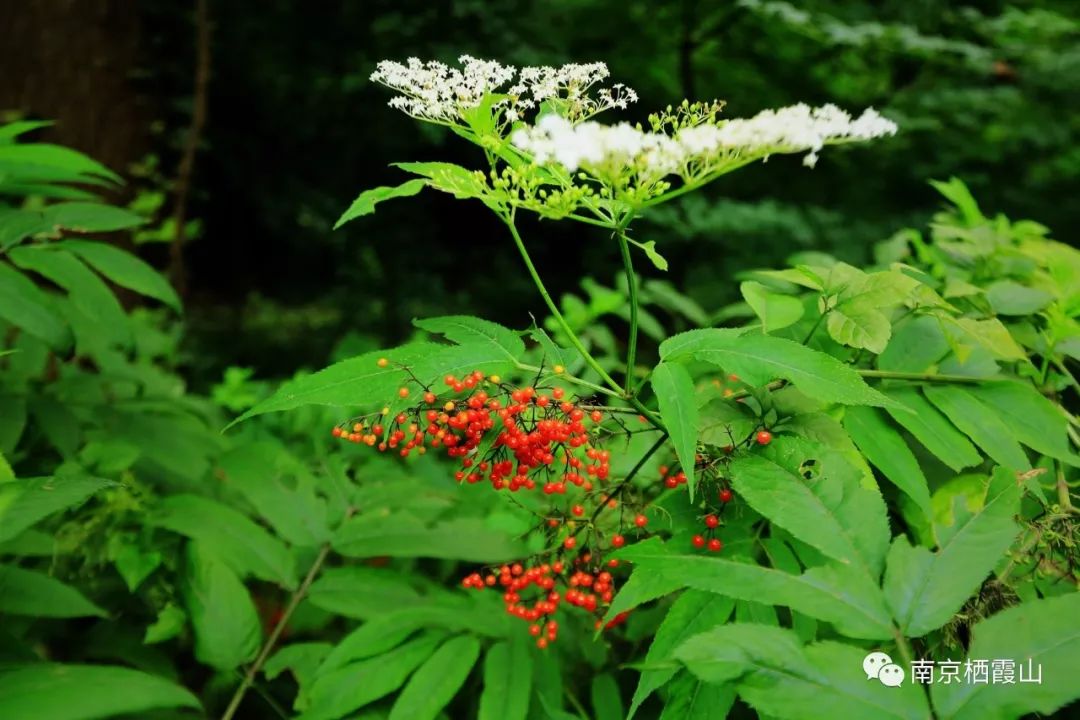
879, 666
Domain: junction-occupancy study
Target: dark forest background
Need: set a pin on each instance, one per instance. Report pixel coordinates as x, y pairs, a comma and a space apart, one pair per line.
255, 125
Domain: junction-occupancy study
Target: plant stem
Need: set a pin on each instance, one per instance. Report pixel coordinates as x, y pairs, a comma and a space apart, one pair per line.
903, 646
617, 490
919, 377
275, 634
571, 379
815, 328
571, 335
631, 283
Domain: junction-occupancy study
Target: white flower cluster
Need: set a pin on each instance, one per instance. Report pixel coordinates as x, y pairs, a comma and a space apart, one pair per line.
438, 92
790, 129
651, 155
609, 149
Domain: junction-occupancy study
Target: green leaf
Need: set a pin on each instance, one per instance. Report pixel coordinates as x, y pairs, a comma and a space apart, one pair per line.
955, 191
17, 225
466, 330
916, 346
25, 501
856, 303
6, 475
674, 390
932, 429
553, 354
362, 592
87, 291
650, 252
888, 452
641, 588
606, 702
12, 130
26, 306
924, 590
261, 471
1043, 631
1008, 297
239, 542
54, 163
365, 204
170, 623
50, 691
758, 359
468, 539
26, 592
508, 671
90, 217
344, 690
775, 310
692, 699
694, 612
979, 422
1032, 418
460, 182
437, 681
989, 334
844, 596
124, 269
302, 659
666, 296
226, 624
780, 678
830, 512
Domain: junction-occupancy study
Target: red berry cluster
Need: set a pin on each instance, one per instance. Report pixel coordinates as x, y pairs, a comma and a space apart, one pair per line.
530, 594
672, 480
541, 439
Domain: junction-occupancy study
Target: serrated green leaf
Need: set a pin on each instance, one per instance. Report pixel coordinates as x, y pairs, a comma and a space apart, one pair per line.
27, 592
674, 390
694, 612
932, 429
656, 258
1008, 297
345, 690
89, 217
693, 699
553, 354
508, 671
830, 511
980, 423
1033, 419
223, 616
847, 597
50, 691
887, 451
366, 202
759, 359
302, 659
53, 163
1042, 631
26, 306
363, 592
606, 701
925, 589
467, 330
460, 182
780, 678
125, 269
775, 310
989, 334
437, 681
26, 501
916, 346
239, 542
87, 291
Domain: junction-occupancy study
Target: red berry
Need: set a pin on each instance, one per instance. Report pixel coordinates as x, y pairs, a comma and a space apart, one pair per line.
570, 543
698, 541
725, 496
403, 392
715, 545
577, 510
541, 643
617, 541
764, 437
711, 521
641, 521
596, 416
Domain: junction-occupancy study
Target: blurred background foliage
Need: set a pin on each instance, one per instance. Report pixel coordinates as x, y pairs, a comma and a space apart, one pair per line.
985, 91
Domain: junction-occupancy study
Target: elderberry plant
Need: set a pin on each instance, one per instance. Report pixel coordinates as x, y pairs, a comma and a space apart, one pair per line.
860, 466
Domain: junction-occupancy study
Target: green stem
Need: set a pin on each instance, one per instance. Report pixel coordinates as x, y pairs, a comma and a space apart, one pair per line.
570, 334
904, 648
815, 328
571, 379
275, 634
631, 283
617, 490
919, 377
